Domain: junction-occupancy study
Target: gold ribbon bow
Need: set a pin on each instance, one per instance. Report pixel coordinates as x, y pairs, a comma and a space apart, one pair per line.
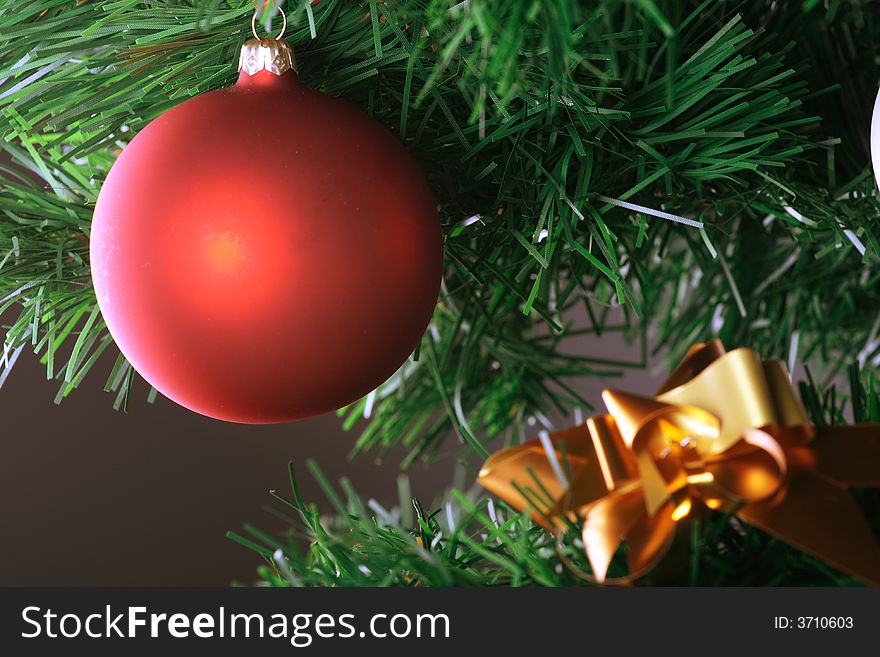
726, 429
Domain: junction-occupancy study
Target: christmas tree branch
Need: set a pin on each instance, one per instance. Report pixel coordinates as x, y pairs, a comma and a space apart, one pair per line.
467, 539
701, 169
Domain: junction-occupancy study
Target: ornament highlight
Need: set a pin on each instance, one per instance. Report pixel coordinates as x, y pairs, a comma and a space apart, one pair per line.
875, 139
266, 252
725, 430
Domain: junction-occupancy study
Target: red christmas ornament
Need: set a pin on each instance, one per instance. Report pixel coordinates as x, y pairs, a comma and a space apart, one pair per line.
265, 252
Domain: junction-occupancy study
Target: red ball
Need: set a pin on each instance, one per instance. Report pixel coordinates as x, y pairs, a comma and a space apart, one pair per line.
266, 252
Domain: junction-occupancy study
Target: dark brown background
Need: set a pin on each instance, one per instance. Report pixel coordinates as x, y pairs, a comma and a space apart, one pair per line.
93, 496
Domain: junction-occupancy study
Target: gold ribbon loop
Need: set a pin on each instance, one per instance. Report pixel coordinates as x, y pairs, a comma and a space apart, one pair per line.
726, 429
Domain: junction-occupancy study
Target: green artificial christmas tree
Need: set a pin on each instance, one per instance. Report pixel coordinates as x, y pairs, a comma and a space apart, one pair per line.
673, 171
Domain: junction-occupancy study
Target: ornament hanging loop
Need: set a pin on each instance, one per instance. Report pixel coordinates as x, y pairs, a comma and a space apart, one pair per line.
274, 55
283, 25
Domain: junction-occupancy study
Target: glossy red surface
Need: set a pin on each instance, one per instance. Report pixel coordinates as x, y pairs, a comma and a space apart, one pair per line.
266, 252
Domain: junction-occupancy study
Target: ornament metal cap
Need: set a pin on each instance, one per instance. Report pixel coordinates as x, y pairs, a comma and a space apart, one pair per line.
273, 55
